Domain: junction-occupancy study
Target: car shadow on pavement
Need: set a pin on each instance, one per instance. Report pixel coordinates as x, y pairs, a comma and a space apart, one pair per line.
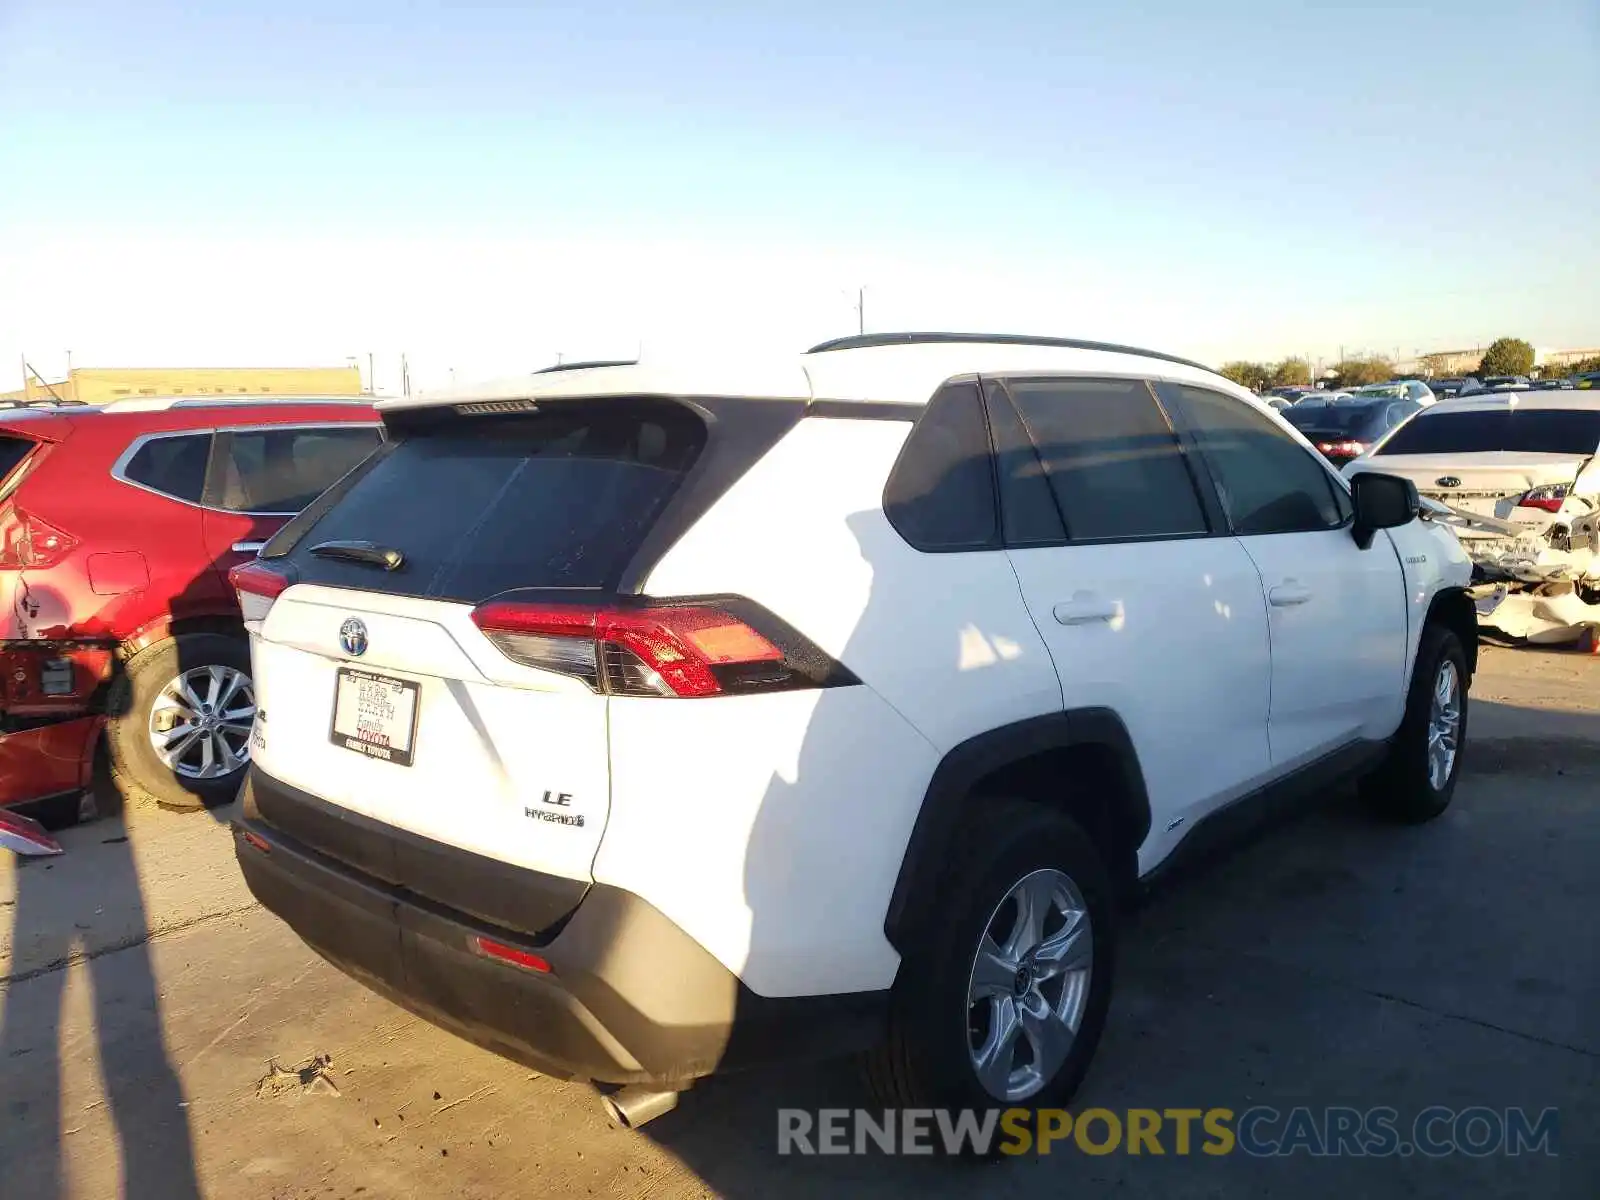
143, 1096
1323, 927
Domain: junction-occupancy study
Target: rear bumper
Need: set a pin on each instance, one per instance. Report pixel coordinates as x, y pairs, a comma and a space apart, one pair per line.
48, 761
629, 997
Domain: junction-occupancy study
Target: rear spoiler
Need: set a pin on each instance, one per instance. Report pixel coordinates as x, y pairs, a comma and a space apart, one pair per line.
38, 425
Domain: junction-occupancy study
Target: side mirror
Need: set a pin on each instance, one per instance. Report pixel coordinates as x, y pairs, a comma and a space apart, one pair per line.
1381, 502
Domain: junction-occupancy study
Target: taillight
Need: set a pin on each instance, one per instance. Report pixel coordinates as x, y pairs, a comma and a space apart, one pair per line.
689, 650
1548, 496
1343, 449
28, 541
258, 586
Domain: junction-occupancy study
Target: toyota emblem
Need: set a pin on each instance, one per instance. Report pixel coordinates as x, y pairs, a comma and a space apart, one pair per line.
1448, 481
353, 637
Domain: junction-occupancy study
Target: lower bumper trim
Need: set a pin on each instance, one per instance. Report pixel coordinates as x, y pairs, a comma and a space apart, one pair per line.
629, 997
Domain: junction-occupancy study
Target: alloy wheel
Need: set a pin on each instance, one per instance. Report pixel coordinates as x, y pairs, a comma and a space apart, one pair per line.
1444, 724
200, 722
1029, 985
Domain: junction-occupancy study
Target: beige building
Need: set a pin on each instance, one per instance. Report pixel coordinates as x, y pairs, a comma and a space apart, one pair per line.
1449, 363
95, 385
1565, 358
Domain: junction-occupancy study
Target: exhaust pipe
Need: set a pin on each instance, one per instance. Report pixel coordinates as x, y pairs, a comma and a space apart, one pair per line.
634, 1105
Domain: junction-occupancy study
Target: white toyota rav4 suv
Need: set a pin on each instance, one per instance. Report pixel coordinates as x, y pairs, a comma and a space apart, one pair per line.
639, 722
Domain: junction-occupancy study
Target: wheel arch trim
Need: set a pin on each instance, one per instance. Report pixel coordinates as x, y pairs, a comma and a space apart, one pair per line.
961, 769
1453, 608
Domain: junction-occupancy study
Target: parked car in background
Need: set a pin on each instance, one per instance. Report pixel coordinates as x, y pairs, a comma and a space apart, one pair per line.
1491, 383
727, 757
1346, 430
1292, 393
1522, 466
1413, 390
1278, 402
1444, 389
118, 526
1322, 397
1586, 381
1552, 385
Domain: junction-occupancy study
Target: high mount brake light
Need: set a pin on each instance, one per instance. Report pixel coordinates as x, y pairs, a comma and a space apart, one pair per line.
669, 650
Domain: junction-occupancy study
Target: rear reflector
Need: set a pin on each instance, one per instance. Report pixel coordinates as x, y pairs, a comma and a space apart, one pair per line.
509, 954
258, 586
257, 841
670, 650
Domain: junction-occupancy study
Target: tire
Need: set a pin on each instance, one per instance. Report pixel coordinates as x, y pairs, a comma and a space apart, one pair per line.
137, 768
1406, 788
927, 1060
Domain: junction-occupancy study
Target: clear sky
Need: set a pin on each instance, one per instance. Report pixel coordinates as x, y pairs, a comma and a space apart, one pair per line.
485, 186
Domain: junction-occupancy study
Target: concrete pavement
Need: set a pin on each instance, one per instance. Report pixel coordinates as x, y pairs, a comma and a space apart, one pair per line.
1331, 961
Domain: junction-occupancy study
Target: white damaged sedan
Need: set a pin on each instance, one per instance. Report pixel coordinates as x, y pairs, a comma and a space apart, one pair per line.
1519, 472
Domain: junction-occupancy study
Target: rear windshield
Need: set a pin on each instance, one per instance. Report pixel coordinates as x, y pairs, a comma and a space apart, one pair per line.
1531, 431
557, 499
13, 450
1333, 418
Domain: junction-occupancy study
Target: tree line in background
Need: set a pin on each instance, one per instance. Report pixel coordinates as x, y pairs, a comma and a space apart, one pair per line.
1505, 356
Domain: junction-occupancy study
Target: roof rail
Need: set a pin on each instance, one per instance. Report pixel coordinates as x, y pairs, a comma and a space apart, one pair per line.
162, 403
583, 366
867, 341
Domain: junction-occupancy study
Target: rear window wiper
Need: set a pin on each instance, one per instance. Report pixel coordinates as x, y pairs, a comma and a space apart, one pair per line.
368, 554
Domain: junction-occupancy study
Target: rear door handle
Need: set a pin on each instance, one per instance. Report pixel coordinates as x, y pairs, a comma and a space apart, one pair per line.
247, 547
1287, 595
1085, 608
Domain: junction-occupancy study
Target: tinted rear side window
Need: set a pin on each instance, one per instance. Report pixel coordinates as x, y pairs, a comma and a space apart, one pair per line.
1112, 459
1028, 512
940, 495
1268, 482
557, 499
1482, 431
283, 470
173, 466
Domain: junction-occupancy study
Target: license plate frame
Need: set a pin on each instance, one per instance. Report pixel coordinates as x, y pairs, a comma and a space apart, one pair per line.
353, 677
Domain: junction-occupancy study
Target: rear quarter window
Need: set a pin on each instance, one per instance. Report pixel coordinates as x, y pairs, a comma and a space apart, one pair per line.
172, 465
940, 495
13, 450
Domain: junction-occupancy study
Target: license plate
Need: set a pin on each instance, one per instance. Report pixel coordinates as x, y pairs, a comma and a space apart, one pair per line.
375, 715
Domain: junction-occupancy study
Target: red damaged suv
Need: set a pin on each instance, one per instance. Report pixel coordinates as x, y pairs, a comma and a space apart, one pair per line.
118, 526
